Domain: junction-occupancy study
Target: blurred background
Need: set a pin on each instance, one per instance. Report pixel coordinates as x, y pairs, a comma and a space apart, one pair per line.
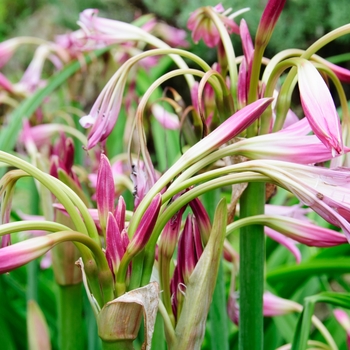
301, 23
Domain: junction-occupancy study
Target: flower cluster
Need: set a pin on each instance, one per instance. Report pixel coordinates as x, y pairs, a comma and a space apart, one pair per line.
153, 194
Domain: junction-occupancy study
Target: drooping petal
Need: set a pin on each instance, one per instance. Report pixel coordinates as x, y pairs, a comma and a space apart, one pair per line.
326, 191
167, 119
319, 107
274, 305
289, 243
21, 253
288, 147
305, 232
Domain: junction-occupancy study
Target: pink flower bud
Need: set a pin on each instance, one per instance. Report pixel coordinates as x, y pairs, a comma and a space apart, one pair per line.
114, 244
169, 237
268, 21
186, 256
104, 190
119, 213
274, 305
202, 219
145, 227
306, 233
21, 253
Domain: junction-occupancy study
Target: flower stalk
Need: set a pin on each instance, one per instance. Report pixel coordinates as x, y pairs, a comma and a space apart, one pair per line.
252, 259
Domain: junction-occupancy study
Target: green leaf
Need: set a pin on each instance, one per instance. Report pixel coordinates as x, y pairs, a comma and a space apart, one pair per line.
288, 278
302, 330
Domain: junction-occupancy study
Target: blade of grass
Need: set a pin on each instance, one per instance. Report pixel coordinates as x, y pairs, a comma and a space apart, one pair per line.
302, 331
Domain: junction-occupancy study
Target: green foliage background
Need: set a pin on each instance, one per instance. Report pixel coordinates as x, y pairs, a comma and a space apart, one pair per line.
301, 23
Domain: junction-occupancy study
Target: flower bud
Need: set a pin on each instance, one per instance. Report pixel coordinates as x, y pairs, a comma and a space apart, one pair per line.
21, 253
104, 191
146, 225
268, 21
202, 217
119, 213
114, 244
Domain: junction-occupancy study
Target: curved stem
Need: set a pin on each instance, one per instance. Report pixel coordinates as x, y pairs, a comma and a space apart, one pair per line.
169, 329
88, 220
104, 273
229, 51
324, 331
139, 114
54, 185
326, 39
199, 190
70, 130
31, 225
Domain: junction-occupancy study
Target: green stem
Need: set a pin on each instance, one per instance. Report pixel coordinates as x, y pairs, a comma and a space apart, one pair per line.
32, 267
168, 327
252, 130
136, 276
119, 345
229, 51
70, 317
182, 201
252, 255
32, 280
289, 81
18, 226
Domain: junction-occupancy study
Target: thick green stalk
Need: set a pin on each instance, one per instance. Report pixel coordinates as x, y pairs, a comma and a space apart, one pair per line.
70, 321
252, 256
118, 345
32, 267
